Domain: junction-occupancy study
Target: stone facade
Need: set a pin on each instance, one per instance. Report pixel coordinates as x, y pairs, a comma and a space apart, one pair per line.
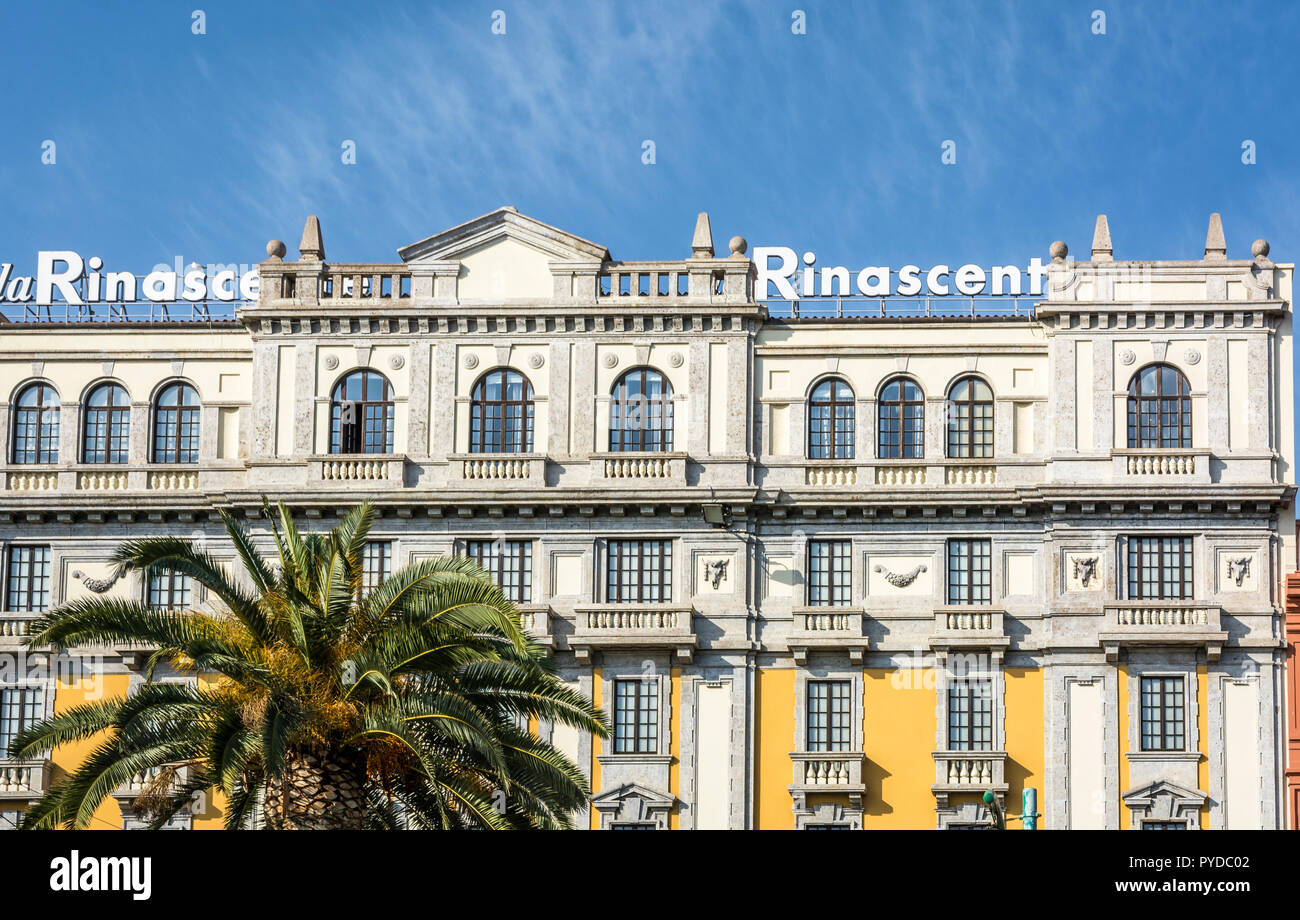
732, 648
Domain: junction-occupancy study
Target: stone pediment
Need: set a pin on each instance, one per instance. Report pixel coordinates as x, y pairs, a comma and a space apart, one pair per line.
503, 227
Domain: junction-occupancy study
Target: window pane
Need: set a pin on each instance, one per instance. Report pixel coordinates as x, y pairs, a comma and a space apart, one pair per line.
970, 572
509, 562
830, 571
636, 716
29, 578
829, 715
638, 571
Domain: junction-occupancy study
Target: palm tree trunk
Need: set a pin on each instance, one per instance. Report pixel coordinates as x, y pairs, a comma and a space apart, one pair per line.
318, 793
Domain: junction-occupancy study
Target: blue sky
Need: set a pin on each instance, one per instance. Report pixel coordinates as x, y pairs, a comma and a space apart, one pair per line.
206, 146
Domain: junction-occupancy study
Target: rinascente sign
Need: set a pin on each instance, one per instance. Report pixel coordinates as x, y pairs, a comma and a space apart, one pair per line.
60, 271
878, 280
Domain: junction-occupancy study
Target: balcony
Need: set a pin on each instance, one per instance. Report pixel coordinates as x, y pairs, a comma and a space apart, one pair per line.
148, 780
535, 621
24, 779
633, 626
831, 474
31, 479
970, 475
969, 626
828, 772
968, 772
637, 468
1156, 465
14, 629
385, 469
827, 629
1162, 623
499, 469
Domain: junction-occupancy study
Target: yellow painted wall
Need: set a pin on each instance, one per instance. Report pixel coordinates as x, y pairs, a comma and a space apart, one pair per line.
71, 692
774, 727
1024, 726
899, 715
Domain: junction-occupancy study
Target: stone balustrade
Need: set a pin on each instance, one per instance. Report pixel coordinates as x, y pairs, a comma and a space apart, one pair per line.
103, 480
32, 481
827, 771
897, 476
14, 626
1162, 623
959, 771
836, 629
633, 468
24, 779
500, 469
974, 626
632, 625
353, 469
173, 480
970, 475
831, 475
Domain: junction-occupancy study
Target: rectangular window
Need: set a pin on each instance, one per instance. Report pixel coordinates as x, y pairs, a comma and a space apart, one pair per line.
1160, 568
970, 572
1162, 713
29, 578
639, 571
970, 715
376, 563
169, 591
509, 562
636, 716
829, 714
1164, 825
830, 571
20, 708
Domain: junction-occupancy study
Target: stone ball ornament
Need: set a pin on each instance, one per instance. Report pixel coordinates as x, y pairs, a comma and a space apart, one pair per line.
471, 361
738, 245
1259, 249
396, 362
275, 249
1058, 250
331, 362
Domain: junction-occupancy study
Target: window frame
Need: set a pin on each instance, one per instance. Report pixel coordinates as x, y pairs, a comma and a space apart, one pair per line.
829, 578
521, 431
975, 698
168, 449
358, 433
1184, 568
115, 425
178, 585
643, 732
907, 429
972, 436
838, 416
370, 577
970, 588
1162, 714
644, 588
1142, 409
657, 437
44, 433
24, 719
31, 578
519, 588
834, 734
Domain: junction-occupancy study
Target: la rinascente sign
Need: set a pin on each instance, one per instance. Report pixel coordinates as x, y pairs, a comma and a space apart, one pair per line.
878, 280
62, 271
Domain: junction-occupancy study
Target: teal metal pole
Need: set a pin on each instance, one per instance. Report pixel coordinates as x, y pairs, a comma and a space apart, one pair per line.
1029, 809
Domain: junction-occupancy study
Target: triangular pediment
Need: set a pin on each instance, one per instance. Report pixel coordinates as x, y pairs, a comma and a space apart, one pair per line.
503, 227
652, 797
1163, 787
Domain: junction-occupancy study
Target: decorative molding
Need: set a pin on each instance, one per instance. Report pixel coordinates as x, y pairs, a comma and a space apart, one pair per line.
900, 580
1085, 569
1126, 356
1192, 356
331, 362
715, 571
1238, 568
97, 585
676, 359
396, 361
535, 360
470, 361
610, 360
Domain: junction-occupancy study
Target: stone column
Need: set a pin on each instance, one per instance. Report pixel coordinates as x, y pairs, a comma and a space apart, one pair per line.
304, 400
1216, 396
584, 399
443, 418
558, 404
697, 436
417, 405
1061, 393
265, 385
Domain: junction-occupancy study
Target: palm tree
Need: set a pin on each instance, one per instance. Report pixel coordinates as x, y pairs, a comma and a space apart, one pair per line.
332, 706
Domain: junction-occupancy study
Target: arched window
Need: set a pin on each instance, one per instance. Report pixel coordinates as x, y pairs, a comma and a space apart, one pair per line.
361, 414
830, 421
36, 425
501, 414
970, 419
106, 437
641, 413
1159, 408
901, 421
176, 425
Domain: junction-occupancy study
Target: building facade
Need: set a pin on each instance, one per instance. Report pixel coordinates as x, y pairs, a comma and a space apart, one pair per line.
826, 565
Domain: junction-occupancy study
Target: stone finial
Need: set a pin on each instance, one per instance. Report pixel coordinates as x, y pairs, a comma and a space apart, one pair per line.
1058, 251
275, 250
738, 247
1259, 249
1216, 248
1101, 248
702, 242
312, 247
